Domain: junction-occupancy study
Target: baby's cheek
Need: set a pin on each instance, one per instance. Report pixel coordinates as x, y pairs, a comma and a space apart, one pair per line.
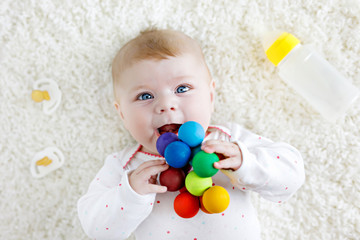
139, 127
200, 115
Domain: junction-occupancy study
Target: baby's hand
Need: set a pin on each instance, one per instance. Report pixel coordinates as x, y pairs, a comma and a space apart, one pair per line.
143, 179
231, 158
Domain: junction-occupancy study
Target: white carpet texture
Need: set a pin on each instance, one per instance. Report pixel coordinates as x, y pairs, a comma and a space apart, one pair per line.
74, 42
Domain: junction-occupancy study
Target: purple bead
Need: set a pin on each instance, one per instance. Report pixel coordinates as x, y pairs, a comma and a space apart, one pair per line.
164, 140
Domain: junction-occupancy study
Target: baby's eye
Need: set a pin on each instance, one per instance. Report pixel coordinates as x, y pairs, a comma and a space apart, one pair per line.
144, 96
182, 89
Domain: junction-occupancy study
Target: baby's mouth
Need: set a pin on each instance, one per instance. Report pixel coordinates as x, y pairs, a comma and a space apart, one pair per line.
173, 127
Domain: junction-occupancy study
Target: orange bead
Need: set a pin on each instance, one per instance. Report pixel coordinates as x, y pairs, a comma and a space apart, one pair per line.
202, 206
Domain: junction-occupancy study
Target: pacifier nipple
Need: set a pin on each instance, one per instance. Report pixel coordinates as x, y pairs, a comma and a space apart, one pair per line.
39, 96
44, 162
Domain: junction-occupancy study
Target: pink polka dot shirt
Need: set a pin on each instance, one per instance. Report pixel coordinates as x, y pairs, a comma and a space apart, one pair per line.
111, 209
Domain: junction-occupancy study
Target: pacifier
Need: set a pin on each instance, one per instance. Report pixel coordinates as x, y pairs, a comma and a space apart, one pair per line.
47, 91
46, 161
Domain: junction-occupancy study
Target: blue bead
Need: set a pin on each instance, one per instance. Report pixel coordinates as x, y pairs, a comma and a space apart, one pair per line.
191, 133
177, 154
164, 140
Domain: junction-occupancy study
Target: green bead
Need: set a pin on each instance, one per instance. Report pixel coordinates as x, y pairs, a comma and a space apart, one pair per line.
203, 164
197, 185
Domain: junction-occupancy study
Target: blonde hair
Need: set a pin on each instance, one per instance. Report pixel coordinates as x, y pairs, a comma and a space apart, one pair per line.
155, 45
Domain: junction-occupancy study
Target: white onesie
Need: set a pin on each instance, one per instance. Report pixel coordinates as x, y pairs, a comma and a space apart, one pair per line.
111, 209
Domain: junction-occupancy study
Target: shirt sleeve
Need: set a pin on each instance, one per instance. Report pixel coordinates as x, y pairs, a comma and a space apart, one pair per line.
111, 209
275, 170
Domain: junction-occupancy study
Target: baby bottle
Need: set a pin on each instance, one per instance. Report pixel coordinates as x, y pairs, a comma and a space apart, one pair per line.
330, 93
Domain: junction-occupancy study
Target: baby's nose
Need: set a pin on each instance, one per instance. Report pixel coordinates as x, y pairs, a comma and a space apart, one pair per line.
166, 109
166, 106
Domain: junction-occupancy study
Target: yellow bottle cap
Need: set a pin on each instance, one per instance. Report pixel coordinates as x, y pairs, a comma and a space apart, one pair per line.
281, 47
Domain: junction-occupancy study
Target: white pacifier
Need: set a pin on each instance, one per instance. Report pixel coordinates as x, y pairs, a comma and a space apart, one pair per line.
46, 161
48, 92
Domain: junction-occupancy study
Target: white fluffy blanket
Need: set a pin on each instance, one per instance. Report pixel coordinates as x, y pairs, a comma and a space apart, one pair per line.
74, 42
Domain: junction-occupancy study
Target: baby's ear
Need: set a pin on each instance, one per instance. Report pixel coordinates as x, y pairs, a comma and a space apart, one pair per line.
118, 110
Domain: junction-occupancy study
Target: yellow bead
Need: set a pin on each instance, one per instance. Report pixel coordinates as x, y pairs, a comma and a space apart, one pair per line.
216, 199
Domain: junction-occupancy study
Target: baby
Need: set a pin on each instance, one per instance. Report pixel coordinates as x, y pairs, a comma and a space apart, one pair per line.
161, 80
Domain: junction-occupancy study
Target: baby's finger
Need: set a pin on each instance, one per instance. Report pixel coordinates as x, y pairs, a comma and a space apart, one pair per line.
153, 179
149, 164
153, 188
229, 163
227, 149
153, 170
211, 142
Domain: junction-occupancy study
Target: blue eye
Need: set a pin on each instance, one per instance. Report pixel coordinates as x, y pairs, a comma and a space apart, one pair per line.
145, 96
182, 89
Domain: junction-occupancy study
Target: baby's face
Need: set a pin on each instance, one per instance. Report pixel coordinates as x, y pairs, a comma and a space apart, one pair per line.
157, 96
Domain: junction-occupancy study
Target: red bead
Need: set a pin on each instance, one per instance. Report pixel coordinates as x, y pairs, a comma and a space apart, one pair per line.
186, 205
173, 179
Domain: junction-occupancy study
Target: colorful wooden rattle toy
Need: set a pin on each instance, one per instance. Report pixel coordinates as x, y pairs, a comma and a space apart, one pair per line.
181, 150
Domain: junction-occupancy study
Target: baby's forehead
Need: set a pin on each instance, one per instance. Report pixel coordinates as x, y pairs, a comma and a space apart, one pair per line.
182, 64
139, 68
155, 45
156, 61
